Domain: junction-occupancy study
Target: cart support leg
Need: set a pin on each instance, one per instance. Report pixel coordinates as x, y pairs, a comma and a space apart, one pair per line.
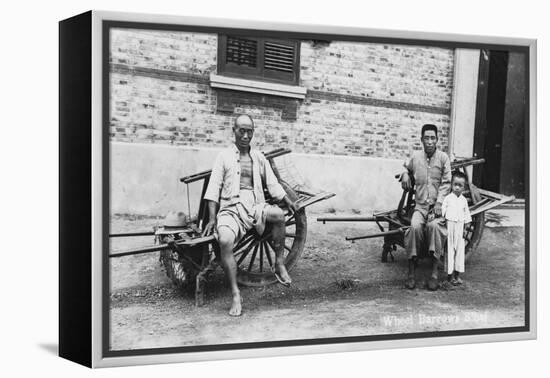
387, 249
200, 280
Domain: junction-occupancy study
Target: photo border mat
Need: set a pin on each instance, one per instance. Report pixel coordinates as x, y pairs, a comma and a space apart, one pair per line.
102, 357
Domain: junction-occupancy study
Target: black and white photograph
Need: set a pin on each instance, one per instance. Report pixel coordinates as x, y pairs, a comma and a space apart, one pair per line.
276, 188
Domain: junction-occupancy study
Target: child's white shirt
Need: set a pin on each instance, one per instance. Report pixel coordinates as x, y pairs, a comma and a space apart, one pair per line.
456, 208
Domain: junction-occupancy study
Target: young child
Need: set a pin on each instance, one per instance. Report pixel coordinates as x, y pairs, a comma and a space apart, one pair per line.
456, 212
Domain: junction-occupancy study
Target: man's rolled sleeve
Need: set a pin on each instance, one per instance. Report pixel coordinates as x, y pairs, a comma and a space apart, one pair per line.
216, 180
408, 167
408, 164
445, 186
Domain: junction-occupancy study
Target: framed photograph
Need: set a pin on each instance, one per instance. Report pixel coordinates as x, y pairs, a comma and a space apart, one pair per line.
251, 189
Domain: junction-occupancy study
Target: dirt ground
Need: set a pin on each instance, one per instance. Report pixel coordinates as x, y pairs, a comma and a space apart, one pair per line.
147, 311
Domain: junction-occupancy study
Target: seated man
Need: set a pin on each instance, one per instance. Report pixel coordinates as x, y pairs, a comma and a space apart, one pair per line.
431, 170
235, 189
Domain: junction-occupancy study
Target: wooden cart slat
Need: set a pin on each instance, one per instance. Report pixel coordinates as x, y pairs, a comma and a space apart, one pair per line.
314, 199
490, 200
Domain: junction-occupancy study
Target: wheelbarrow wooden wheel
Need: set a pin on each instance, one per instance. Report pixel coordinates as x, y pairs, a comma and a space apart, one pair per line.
255, 255
474, 231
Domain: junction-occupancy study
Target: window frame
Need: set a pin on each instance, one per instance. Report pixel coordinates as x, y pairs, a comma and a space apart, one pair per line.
259, 73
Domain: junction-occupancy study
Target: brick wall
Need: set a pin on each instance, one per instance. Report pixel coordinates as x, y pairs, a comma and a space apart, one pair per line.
363, 99
407, 74
185, 52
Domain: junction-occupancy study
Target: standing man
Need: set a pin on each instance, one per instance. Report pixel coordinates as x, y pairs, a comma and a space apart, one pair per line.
237, 204
431, 169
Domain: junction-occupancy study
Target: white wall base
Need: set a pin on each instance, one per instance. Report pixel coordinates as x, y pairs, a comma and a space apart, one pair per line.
145, 179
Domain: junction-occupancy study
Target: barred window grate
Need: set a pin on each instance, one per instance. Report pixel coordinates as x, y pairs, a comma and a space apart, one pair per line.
242, 51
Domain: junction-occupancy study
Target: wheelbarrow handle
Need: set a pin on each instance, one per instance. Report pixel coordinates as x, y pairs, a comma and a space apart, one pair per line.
379, 234
349, 219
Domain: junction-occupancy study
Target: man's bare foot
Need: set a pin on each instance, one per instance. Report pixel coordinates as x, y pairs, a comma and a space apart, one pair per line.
236, 305
282, 275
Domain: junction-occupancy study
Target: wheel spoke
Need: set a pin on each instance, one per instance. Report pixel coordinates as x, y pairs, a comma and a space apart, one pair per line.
287, 248
261, 257
290, 222
253, 257
290, 235
243, 247
245, 253
243, 242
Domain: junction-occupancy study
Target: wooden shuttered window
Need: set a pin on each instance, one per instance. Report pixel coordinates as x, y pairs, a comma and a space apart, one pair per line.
266, 59
241, 52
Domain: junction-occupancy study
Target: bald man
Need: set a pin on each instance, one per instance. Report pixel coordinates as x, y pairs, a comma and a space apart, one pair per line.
236, 204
